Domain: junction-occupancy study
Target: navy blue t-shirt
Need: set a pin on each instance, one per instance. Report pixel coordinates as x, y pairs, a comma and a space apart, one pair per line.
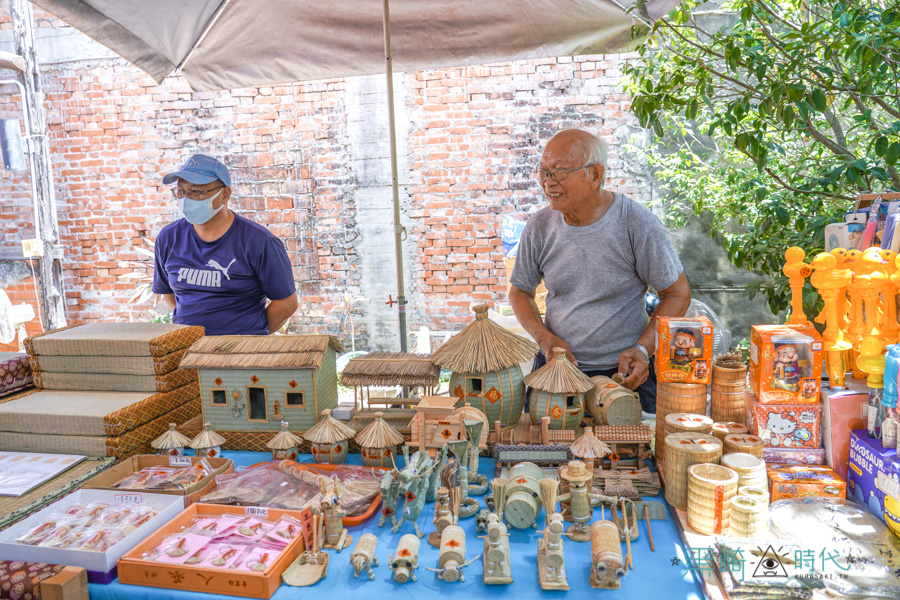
222, 285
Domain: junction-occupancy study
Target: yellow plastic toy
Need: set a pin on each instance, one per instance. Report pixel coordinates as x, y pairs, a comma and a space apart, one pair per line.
890, 329
855, 322
831, 284
872, 280
797, 271
871, 361
843, 305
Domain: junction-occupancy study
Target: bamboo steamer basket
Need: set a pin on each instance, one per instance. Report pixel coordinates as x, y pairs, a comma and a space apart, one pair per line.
710, 490
748, 517
681, 423
757, 493
746, 443
751, 469
720, 430
682, 451
676, 398
611, 404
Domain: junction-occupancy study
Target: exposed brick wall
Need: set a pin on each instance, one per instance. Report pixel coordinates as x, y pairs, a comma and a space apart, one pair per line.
475, 136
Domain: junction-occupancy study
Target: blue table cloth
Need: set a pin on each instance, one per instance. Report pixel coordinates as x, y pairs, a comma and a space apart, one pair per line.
659, 574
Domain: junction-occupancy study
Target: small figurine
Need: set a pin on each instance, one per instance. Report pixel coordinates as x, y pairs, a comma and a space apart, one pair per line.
607, 567
481, 520
786, 368
208, 443
171, 442
797, 271
312, 564
330, 439
581, 500
390, 489
336, 537
444, 514
285, 445
363, 557
551, 562
452, 558
378, 442
406, 561
496, 553
683, 350
417, 482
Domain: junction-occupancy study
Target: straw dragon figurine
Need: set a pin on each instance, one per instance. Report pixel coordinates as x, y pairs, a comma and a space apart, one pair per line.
417, 482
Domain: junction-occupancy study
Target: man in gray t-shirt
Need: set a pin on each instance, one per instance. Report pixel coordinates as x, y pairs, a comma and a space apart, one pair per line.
597, 253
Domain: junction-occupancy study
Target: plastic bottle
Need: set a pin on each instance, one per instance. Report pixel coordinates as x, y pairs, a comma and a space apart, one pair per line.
889, 398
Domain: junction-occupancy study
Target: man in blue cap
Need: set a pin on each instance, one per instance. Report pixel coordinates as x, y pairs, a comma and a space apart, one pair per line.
215, 268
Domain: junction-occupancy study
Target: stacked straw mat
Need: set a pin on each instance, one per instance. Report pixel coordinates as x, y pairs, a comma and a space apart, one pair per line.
676, 398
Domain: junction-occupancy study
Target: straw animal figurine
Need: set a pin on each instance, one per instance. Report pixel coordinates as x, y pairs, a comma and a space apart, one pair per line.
551, 562
416, 483
452, 558
363, 557
496, 553
336, 537
607, 566
406, 561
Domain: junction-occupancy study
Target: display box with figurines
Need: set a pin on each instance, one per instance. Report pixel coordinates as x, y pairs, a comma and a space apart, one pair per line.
785, 363
786, 425
684, 349
873, 478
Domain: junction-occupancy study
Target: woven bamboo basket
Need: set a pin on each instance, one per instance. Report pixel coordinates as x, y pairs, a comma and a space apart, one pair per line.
682, 451
751, 469
723, 375
725, 406
743, 442
611, 404
720, 430
710, 490
748, 517
757, 493
676, 398
680, 423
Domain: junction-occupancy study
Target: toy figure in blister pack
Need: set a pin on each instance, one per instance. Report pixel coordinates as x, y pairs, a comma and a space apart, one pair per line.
683, 350
809, 389
786, 365
782, 428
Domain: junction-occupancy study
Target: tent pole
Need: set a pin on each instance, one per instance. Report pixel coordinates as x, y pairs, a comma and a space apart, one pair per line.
395, 189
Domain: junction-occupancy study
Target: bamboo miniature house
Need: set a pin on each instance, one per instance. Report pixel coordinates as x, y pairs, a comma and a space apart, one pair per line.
208, 443
171, 442
252, 383
438, 421
378, 443
588, 448
285, 445
484, 358
330, 439
558, 391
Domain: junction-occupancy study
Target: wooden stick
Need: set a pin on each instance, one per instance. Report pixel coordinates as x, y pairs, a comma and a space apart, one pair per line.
649, 531
627, 535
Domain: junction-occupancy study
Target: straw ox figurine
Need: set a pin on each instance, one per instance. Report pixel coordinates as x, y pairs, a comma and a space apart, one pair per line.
330, 439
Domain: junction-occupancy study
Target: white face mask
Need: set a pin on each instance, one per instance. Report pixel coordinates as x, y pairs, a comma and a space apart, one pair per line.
198, 212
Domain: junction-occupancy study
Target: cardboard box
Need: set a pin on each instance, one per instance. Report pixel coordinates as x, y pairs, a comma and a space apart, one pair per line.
135, 571
874, 478
106, 479
785, 363
101, 566
842, 412
786, 425
684, 350
794, 456
800, 481
69, 584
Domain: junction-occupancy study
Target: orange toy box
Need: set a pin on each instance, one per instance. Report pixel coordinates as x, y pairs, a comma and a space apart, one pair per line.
785, 363
800, 481
147, 563
684, 349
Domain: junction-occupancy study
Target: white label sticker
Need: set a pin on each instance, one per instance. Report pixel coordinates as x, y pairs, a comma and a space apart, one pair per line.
128, 498
179, 461
257, 511
888, 485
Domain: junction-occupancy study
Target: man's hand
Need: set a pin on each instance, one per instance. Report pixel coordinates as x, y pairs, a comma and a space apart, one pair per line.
634, 367
550, 341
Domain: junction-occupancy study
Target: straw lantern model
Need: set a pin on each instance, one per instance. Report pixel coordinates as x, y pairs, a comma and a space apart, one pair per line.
378, 442
330, 439
484, 359
208, 443
558, 391
171, 442
285, 445
588, 448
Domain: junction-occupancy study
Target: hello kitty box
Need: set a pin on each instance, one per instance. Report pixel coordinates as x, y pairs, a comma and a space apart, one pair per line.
786, 425
785, 363
684, 349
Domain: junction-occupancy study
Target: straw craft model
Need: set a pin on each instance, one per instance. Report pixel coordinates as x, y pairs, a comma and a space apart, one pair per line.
676, 398
259, 351
483, 346
729, 379
720, 430
171, 439
207, 438
388, 369
329, 430
710, 489
284, 439
682, 451
588, 448
559, 376
378, 434
549, 495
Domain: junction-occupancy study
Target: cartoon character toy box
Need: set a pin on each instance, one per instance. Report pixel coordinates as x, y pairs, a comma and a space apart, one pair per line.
874, 478
800, 481
785, 363
684, 349
786, 425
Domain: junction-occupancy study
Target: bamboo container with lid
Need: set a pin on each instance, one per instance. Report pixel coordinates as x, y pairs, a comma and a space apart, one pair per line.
688, 422
758, 493
676, 398
743, 442
710, 490
721, 429
684, 450
751, 469
748, 516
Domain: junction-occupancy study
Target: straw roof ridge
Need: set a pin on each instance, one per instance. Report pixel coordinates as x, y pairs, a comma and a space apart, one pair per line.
559, 376
259, 351
391, 368
483, 346
378, 434
588, 446
284, 439
171, 439
329, 430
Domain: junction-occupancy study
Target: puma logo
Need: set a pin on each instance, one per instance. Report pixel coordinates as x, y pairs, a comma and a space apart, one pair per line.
215, 265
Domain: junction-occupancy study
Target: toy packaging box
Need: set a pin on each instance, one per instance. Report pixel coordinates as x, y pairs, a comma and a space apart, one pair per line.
684, 350
794, 456
786, 425
800, 481
842, 412
785, 363
874, 478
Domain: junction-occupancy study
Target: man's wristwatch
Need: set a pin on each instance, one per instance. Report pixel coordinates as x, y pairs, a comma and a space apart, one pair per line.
643, 351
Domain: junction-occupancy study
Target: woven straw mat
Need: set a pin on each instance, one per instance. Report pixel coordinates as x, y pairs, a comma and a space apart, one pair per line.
114, 383
114, 365
114, 339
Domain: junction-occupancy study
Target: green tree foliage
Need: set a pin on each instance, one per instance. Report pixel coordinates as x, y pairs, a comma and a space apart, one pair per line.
773, 116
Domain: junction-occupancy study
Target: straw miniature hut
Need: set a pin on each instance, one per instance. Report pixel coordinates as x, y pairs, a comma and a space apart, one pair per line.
171, 442
330, 439
208, 443
558, 390
484, 358
588, 448
285, 445
378, 442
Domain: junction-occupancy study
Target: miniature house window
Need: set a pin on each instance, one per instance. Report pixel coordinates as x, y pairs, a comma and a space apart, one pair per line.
218, 398
570, 401
476, 385
293, 398
256, 399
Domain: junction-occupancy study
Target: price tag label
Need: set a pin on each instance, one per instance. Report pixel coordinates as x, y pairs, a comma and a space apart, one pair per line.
179, 461
257, 511
128, 499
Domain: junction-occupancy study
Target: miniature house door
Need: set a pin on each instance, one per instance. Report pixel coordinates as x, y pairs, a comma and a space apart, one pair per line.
474, 387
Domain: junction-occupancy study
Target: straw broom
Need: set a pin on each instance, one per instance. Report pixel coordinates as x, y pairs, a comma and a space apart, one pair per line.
549, 493
498, 485
454, 503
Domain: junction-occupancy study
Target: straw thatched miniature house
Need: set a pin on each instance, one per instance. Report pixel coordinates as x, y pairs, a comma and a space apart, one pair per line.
558, 390
378, 442
208, 443
330, 439
588, 448
484, 358
285, 445
171, 442
252, 383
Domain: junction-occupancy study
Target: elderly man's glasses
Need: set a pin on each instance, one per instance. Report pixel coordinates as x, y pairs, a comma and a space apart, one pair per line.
179, 193
559, 174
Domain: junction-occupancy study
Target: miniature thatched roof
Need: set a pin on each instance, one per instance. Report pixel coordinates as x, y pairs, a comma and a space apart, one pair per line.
559, 376
588, 446
391, 368
378, 434
483, 346
171, 439
207, 438
284, 439
329, 430
259, 351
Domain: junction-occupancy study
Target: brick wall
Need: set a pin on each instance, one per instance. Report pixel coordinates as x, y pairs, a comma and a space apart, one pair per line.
475, 136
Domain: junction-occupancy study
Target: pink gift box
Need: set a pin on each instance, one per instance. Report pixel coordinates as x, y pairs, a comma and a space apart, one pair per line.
842, 412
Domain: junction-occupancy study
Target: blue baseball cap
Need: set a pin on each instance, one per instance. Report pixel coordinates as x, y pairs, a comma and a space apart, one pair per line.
200, 169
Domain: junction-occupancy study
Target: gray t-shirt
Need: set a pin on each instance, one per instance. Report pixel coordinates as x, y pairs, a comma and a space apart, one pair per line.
596, 276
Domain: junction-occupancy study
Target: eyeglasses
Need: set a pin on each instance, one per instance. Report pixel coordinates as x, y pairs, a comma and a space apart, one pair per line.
179, 193
558, 175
